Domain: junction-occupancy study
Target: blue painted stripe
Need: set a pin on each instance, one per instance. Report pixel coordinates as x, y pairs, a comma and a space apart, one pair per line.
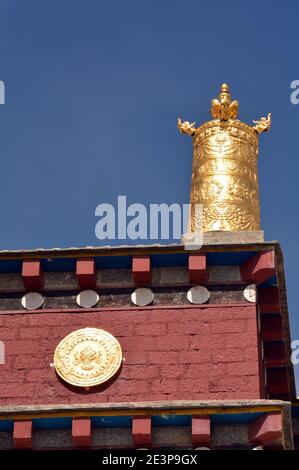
57, 264
168, 260
272, 281
242, 418
52, 423
10, 266
113, 262
172, 420
111, 421
6, 425
229, 258
126, 421
125, 261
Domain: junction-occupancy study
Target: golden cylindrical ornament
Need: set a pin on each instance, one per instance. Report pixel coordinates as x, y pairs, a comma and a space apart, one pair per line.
224, 175
224, 172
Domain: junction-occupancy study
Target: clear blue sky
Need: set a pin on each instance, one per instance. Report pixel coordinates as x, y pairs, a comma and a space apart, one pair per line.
93, 92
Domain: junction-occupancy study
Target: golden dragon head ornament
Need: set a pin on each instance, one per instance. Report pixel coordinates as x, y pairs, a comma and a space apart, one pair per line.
224, 108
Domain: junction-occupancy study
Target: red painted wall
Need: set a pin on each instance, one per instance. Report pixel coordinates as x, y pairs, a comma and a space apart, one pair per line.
182, 353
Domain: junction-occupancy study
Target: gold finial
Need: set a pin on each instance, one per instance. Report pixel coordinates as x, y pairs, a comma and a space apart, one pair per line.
225, 93
224, 173
225, 88
223, 108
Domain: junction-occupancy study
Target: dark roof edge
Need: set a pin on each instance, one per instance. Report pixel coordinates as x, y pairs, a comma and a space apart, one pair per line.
127, 250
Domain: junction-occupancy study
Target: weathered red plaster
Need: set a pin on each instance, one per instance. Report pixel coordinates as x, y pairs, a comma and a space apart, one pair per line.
259, 267
142, 431
32, 274
22, 434
188, 353
81, 432
201, 430
266, 429
271, 327
141, 269
86, 273
274, 354
268, 299
277, 381
197, 265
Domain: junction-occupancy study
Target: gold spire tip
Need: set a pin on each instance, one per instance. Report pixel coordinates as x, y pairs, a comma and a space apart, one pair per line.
223, 108
224, 88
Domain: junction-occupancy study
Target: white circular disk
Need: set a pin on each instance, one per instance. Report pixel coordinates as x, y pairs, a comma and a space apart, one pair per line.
87, 298
250, 293
32, 301
198, 295
142, 296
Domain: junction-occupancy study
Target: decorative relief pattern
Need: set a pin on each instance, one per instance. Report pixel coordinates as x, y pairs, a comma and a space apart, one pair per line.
224, 216
225, 166
224, 177
87, 357
224, 173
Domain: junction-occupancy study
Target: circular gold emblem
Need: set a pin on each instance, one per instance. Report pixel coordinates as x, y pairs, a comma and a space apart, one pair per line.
87, 357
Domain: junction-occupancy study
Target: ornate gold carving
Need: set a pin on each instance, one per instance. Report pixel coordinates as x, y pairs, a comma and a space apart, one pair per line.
186, 127
224, 108
87, 357
263, 125
224, 172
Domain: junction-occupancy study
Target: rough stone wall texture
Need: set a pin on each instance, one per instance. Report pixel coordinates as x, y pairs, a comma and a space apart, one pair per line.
229, 436
191, 353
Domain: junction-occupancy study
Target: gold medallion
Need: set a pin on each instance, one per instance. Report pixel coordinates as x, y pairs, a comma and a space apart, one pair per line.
87, 357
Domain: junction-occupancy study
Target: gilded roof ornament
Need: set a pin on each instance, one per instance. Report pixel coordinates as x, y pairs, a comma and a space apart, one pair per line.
263, 125
224, 172
223, 107
186, 127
